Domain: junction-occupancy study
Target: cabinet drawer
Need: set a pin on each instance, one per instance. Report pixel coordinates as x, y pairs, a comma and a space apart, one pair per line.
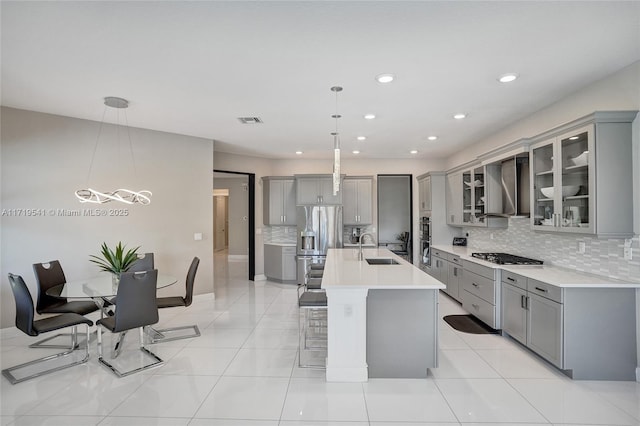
480, 270
482, 309
479, 286
439, 253
455, 259
514, 279
545, 290
288, 250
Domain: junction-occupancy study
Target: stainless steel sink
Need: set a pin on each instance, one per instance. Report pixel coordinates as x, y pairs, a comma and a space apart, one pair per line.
382, 261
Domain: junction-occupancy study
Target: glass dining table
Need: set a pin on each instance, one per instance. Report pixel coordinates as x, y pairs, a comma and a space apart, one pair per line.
100, 289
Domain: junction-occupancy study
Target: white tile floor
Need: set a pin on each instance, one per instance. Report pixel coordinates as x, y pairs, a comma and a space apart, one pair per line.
243, 371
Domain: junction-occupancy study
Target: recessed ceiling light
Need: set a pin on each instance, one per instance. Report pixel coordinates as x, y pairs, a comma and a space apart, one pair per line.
507, 78
432, 138
413, 152
361, 138
356, 152
459, 116
299, 152
385, 78
369, 116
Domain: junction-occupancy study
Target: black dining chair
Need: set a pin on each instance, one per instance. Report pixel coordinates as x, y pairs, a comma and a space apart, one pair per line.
136, 308
48, 275
143, 263
163, 335
25, 322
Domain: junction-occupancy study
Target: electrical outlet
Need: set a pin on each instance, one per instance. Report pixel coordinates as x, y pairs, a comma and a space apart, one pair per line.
581, 247
628, 252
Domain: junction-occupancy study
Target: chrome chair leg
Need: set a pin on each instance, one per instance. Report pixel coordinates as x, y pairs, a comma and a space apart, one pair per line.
162, 335
157, 361
9, 372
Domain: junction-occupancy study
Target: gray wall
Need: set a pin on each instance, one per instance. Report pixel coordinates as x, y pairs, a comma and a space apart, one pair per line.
394, 207
45, 158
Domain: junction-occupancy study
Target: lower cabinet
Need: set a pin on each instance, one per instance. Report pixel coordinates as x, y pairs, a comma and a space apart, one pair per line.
454, 276
280, 263
439, 266
587, 332
479, 293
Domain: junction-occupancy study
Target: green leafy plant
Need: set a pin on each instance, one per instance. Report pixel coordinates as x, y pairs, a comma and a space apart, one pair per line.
117, 261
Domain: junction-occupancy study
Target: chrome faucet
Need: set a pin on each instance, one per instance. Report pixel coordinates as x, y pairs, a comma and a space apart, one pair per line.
360, 255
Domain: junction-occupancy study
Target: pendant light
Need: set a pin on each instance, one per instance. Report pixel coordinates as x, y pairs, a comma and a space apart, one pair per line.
336, 145
122, 195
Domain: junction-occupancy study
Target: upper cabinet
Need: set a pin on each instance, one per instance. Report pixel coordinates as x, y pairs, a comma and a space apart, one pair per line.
453, 196
471, 194
424, 194
582, 177
358, 201
278, 201
316, 190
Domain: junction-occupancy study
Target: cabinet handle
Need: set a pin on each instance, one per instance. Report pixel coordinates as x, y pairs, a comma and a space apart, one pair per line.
475, 306
541, 289
475, 285
511, 279
523, 301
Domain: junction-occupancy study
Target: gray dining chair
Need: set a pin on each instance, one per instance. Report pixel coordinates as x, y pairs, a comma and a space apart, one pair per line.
143, 263
163, 335
49, 275
137, 308
25, 322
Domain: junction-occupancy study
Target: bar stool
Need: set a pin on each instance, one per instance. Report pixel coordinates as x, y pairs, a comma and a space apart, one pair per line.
314, 278
312, 329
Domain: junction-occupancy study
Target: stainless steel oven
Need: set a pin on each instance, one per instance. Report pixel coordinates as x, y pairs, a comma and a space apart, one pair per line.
425, 243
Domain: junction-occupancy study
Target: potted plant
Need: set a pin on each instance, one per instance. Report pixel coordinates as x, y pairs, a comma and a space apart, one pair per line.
115, 261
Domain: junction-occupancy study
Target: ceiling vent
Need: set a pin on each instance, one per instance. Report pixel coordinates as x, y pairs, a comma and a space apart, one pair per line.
250, 120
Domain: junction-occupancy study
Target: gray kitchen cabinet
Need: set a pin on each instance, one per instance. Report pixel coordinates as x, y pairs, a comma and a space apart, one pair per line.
357, 201
454, 276
579, 172
480, 293
514, 312
279, 200
587, 332
453, 188
424, 194
280, 263
439, 266
317, 190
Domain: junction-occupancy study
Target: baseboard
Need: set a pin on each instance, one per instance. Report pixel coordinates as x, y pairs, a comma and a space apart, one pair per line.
260, 277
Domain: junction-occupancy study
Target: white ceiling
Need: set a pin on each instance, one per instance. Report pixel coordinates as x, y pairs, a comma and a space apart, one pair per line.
194, 67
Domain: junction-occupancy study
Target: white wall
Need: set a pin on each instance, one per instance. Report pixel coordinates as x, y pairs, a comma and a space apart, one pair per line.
45, 158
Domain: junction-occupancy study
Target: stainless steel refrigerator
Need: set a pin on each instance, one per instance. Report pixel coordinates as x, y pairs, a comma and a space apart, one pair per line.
319, 229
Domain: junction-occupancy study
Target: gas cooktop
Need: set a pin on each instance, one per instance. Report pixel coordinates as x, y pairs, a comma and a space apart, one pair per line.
506, 259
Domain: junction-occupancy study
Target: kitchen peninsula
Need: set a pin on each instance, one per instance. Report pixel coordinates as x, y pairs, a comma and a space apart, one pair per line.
382, 316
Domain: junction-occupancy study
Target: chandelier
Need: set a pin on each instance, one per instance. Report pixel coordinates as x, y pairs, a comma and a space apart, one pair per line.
122, 195
336, 145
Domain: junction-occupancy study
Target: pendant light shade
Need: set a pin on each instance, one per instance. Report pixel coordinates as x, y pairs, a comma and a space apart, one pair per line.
336, 145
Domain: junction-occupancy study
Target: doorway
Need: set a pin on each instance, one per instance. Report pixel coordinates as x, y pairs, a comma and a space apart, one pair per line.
395, 214
221, 219
234, 216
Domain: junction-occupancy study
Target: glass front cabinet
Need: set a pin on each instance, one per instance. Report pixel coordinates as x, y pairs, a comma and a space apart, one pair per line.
473, 196
563, 182
582, 176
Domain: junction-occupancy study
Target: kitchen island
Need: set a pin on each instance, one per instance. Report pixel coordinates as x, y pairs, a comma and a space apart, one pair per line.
382, 317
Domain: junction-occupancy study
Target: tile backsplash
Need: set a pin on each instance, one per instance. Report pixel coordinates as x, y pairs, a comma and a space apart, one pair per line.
602, 256
279, 234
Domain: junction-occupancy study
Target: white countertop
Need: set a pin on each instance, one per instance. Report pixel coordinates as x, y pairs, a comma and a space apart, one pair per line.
281, 244
550, 274
356, 245
343, 270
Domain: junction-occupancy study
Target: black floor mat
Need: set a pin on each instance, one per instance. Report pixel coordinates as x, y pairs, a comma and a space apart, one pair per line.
468, 324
